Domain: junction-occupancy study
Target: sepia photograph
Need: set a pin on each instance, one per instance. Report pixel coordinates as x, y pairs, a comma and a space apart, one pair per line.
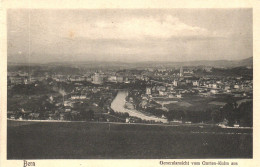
145, 83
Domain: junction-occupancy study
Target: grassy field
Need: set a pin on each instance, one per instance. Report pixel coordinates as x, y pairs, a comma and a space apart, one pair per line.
198, 103
82, 140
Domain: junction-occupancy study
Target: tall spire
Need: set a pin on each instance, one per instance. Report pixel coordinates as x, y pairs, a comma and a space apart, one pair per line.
181, 71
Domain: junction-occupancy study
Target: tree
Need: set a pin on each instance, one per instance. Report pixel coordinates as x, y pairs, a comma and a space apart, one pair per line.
229, 113
87, 114
216, 116
245, 114
176, 114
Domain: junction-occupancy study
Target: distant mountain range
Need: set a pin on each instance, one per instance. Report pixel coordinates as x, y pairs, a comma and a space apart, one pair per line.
219, 63
248, 62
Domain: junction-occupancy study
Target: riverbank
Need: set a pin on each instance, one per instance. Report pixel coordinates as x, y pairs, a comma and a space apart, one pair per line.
118, 106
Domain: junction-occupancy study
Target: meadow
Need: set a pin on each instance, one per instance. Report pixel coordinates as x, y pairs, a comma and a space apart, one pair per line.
86, 140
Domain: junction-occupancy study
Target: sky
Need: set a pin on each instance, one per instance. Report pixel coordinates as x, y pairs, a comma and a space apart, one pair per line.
128, 35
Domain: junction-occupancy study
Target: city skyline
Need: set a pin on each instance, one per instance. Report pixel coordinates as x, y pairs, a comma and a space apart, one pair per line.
173, 35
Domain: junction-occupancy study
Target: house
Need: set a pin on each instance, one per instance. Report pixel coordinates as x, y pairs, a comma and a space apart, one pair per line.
112, 78
236, 125
228, 91
144, 103
74, 96
237, 86
227, 87
67, 108
16, 80
214, 91
215, 86
67, 103
119, 79
162, 93
34, 115
78, 96
62, 117
179, 96
175, 83
12, 117
129, 105
195, 83
148, 91
127, 120
82, 97
161, 88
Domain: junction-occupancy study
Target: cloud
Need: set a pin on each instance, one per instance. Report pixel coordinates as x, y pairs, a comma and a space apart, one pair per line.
127, 35
162, 27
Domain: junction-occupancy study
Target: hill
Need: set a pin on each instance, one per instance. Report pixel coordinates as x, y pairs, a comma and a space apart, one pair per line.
248, 62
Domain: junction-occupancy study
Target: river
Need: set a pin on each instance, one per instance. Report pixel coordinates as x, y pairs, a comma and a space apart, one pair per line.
118, 106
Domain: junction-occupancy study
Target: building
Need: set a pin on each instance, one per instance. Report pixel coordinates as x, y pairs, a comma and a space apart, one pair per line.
77, 79
162, 93
126, 80
68, 103
236, 86
170, 95
179, 96
215, 86
67, 109
16, 80
181, 71
78, 96
112, 78
97, 79
214, 91
196, 83
148, 91
120, 79
175, 83
227, 88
